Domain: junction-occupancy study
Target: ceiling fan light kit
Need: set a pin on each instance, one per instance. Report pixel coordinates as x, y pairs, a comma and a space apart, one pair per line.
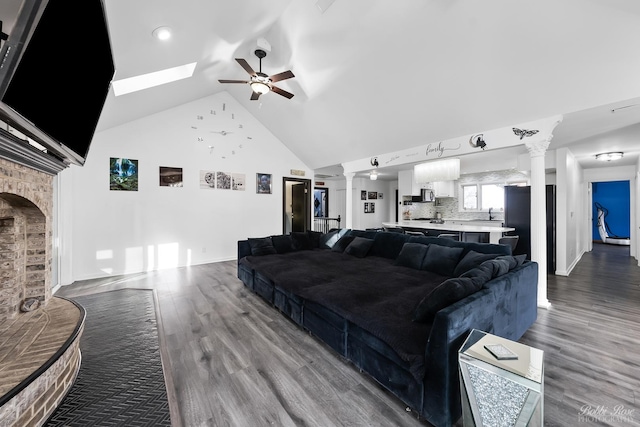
261, 83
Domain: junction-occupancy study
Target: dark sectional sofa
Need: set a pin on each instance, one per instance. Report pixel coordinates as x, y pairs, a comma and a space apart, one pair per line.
397, 306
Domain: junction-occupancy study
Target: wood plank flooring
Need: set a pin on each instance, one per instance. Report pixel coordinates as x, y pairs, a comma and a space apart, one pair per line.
232, 360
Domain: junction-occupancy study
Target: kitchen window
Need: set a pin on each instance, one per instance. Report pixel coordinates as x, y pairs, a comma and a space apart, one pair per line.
481, 197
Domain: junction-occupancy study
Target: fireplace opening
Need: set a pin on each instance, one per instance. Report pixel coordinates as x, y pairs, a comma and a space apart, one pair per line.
24, 262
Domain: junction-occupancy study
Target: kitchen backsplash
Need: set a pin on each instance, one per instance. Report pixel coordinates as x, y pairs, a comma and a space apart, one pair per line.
448, 207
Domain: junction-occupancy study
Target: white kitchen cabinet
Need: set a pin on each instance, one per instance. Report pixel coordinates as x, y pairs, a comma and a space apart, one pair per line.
444, 188
407, 186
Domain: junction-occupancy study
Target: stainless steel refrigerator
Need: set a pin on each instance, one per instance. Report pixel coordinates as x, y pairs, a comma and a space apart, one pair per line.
517, 214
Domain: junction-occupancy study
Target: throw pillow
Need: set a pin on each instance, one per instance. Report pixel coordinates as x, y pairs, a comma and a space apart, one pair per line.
359, 247
471, 260
301, 241
283, 243
342, 243
261, 246
327, 240
480, 274
448, 292
411, 255
441, 259
498, 266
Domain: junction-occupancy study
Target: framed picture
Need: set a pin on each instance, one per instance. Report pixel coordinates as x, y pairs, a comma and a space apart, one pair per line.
363, 195
207, 180
366, 208
372, 195
223, 180
379, 195
237, 181
170, 177
372, 207
263, 183
123, 174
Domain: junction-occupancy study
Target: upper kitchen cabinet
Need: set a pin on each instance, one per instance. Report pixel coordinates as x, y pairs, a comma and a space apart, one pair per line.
444, 188
407, 186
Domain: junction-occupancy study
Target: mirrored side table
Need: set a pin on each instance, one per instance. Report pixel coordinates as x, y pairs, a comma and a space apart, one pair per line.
501, 390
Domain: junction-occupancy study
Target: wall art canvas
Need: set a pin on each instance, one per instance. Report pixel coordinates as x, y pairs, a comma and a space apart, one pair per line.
223, 180
263, 183
123, 174
372, 195
363, 195
238, 181
366, 207
170, 177
207, 180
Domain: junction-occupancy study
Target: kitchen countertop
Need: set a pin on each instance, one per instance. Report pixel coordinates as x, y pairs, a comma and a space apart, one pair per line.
495, 232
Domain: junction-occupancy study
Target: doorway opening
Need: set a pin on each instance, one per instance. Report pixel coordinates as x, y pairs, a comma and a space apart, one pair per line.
296, 205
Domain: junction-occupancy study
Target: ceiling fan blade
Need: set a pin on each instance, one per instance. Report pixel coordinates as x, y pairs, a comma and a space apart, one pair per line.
281, 92
233, 81
244, 64
254, 96
281, 76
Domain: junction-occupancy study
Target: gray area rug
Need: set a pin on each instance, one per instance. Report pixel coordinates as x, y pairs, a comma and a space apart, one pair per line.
120, 382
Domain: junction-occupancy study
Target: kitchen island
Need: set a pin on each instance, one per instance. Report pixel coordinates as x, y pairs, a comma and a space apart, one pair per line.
494, 232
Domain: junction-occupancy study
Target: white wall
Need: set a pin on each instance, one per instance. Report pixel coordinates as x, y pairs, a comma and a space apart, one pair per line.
571, 217
115, 232
361, 220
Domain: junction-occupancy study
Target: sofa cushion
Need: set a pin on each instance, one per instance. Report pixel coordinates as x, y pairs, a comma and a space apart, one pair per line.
480, 274
301, 241
282, 243
411, 255
342, 243
261, 246
471, 260
314, 236
359, 247
448, 292
327, 240
441, 259
388, 244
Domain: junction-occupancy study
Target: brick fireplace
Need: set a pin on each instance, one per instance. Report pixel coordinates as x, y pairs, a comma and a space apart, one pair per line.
26, 205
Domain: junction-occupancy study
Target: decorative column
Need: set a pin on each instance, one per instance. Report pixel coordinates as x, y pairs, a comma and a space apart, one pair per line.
349, 201
537, 150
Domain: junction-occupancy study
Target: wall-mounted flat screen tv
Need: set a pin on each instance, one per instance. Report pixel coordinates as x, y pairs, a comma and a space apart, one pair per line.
55, 73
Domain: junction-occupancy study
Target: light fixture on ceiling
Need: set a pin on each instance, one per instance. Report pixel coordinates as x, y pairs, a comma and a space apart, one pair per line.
607, 157
373, 175
162, 33
259, 86
438, 170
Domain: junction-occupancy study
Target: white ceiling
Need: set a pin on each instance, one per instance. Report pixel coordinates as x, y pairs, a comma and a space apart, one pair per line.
374, 76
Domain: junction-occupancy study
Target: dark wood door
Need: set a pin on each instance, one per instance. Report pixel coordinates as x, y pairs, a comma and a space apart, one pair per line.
298, 206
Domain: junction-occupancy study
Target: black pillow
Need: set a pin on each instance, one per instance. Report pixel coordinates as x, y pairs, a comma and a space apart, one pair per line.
441, 259
471, 260
520, 259
283, 243
411, 255
327, 240
301, 241
314, 236
480, 274
448, 292
498, 266
359, 247
261, 246
342, 243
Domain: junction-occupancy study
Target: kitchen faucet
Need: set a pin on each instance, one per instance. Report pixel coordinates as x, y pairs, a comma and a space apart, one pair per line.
490, 216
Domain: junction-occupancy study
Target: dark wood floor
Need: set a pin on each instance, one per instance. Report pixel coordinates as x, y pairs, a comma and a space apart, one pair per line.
232, 360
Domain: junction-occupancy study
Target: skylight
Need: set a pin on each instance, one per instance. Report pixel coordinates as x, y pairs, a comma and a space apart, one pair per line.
157, 78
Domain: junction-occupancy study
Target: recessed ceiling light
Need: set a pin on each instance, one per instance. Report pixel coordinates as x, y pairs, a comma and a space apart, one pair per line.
162, 33
607, 157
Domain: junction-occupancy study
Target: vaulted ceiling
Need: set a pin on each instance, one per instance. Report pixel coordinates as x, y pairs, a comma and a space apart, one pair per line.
374, 76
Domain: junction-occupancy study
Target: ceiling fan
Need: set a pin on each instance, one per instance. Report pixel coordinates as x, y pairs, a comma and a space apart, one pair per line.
261, 83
